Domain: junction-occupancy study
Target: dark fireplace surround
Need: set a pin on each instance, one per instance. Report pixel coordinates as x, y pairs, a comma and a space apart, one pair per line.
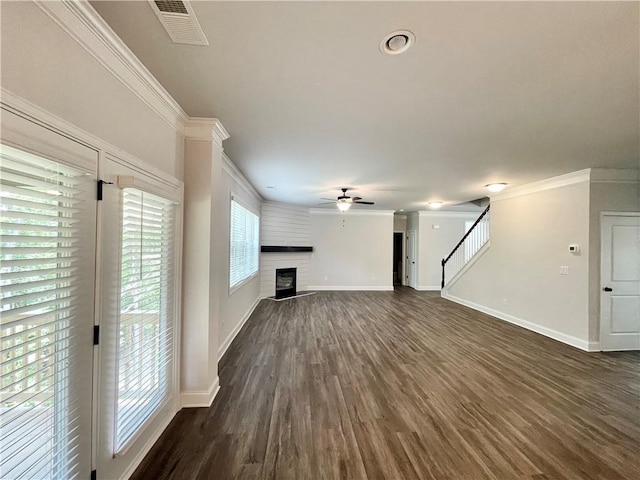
285, 282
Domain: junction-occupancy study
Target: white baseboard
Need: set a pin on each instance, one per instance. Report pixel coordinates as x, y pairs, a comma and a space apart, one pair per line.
428, 288
225, 345
547, 332
594, 347
201, 398
350, 288
151, 441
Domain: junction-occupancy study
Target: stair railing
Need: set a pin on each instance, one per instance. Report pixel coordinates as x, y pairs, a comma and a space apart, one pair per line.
466, 248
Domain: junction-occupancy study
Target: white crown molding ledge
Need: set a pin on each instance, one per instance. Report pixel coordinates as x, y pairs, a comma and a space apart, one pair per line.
210, 129
238, 176
615, 175
441, 213
542, 185
80, 20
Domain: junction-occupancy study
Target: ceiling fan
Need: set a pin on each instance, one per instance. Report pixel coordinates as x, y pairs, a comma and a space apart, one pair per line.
344, 201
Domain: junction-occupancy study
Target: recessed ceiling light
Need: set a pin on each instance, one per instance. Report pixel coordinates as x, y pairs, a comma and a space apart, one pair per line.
401, 210
271, 187
496, 187
397, 42
435, 205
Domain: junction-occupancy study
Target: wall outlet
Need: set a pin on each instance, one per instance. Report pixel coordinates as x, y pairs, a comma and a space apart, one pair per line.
504, 301
326, 278
564, 270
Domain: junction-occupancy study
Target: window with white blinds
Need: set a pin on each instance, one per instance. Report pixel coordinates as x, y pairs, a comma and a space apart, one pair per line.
244, 242
46, 318
146, 337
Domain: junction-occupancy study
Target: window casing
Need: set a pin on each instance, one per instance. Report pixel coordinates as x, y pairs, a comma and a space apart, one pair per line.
244, 240
46, 316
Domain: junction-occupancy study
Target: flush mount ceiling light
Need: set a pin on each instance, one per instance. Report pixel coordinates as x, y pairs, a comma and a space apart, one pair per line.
435, 205
397, 42
496, 187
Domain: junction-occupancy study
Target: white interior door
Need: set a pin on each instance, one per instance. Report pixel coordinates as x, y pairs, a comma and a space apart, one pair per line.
411, 258
620, 282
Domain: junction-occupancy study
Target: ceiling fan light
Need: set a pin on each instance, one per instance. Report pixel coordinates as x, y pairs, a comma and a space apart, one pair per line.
496, 187
343, 206
435, 205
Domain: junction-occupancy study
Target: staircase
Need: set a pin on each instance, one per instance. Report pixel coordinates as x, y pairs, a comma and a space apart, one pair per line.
472, 241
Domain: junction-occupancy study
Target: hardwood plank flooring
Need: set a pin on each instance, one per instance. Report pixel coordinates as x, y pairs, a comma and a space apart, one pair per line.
404, 385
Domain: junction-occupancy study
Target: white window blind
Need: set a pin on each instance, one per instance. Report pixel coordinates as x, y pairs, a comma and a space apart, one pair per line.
147, 294
46, 317
244, 240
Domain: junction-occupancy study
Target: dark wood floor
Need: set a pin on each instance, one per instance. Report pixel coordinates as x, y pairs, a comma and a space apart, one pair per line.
394, 385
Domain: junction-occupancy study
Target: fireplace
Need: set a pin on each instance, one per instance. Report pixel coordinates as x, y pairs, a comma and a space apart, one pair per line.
285, 282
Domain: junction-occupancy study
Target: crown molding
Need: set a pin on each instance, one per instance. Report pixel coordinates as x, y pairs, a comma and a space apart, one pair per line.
550, 183
441, 213
324, 211
615, 175
199, 128
239, 177
81, 21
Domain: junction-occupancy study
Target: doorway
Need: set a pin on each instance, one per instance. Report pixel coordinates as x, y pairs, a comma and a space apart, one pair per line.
398, 257
620, 282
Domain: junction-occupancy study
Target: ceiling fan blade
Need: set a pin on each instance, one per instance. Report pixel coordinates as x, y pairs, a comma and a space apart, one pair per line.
327, 203
355, 199
365, 203
331, 199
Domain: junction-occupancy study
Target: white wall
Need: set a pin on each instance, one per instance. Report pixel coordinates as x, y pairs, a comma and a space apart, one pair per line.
518, 277
439, 232
284, 225
620, 195
399, 222
352, 250
235, 307
44, 65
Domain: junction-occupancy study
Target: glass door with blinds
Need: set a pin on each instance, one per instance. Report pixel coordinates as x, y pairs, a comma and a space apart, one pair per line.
138, 349
47, 251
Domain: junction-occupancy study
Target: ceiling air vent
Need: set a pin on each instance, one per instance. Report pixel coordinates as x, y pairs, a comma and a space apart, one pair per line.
179, 21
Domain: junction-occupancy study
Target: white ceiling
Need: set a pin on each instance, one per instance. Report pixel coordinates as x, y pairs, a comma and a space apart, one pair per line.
511, 92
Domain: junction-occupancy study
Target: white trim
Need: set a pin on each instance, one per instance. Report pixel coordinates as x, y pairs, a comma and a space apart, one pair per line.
547, 332
135, 463
222, 349
476, 256
201, 398
369, 288
82, 23
209, 129
325, 211
594, 347
440, 213
235, 173
542, 185
30, 111
619, 214
615, 175
428, 288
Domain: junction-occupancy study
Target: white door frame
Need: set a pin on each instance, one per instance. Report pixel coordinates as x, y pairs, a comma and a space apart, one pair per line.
412, 282
601, 283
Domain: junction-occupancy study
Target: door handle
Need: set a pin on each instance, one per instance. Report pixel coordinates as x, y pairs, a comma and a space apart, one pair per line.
607, 289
